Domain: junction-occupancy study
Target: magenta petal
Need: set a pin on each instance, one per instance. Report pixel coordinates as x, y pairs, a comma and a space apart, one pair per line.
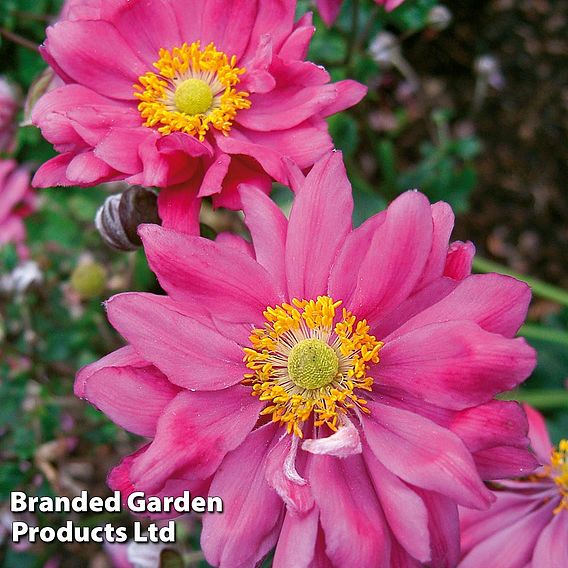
329, 10
87, 52
179, 207
297, 541
267, 225
424, 454
189, 353
86, 169
343, 443
132, 397
455, 364
459, 260
283, 477
298, 43
148, 26
355, 529
349, 93
395, 258
513, 545
194, 433
404, 510
120, 148
250, 523
551, 550
538, 434
443, 523
53, 172
319, 222
225, 281
495, 302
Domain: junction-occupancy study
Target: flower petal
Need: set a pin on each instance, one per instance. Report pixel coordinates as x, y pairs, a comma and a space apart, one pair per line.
319, 222
297, 540
538, 434
424, 454
343, 443
551, 550
190, 354
455, 364
250, 523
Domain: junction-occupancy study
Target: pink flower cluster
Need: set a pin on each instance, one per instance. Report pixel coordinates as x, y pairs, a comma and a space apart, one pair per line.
17, 200
335, 386
8, 109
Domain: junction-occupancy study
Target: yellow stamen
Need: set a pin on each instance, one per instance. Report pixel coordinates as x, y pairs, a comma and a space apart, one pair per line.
193, 91
559, 472
304, 365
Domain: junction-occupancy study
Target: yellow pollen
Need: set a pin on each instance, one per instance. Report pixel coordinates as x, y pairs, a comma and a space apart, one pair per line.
193, 96
306, 362
312, 364
193, 90
559, 473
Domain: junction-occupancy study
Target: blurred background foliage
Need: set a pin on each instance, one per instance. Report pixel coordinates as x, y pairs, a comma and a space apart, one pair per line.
467, 102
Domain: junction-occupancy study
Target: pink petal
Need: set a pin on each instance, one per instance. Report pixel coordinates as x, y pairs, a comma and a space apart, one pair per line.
297, 540
551, 550
512, 546
267, 225
424, 454
134, 398
405, 512
395, 258
343, 443
443, 219
86, 169
319, 222
190, 354
444, 527
53, 172
455, 364
329, 10
148, 26
224, 281
250, 523
459, 260
349, 93
504, 462
351, 517
495, 302
298, 42
235, 241
120, 148
214, 175
179, 207
87, 52
194, 433
283, 477
538, 434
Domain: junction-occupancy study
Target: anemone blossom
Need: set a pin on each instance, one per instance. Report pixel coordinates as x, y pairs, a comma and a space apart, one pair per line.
527, 526
199, 94
334, 386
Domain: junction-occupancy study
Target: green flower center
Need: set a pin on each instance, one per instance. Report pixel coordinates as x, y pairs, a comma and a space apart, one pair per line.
312, 364
193, 96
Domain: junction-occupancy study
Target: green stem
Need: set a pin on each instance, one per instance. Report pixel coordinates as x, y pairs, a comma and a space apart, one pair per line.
539, 398
539, 288
532, 331
354, 33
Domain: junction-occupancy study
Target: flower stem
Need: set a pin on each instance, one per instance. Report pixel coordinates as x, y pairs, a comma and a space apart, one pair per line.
16, 38
542, 399
532, 331
539, 288
354, 33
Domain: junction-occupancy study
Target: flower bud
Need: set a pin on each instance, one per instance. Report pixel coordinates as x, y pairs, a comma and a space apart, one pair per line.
89, 280
119, 217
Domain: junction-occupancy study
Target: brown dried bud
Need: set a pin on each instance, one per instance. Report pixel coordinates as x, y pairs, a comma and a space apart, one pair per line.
119, 217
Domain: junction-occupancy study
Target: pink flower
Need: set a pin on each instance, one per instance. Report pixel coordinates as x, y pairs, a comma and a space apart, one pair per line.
211, 94
335, 386
8, 109
329, 9
527, 526
16, 202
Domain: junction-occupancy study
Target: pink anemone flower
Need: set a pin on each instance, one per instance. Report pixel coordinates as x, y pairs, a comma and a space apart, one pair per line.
199, 94
17, 200
8, 109
329, 9
527, 526
334, 386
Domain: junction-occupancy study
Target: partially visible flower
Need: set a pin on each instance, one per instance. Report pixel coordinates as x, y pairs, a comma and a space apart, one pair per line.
212, 94
329, 9
527, 526
17, 200
8, 109
334, 386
